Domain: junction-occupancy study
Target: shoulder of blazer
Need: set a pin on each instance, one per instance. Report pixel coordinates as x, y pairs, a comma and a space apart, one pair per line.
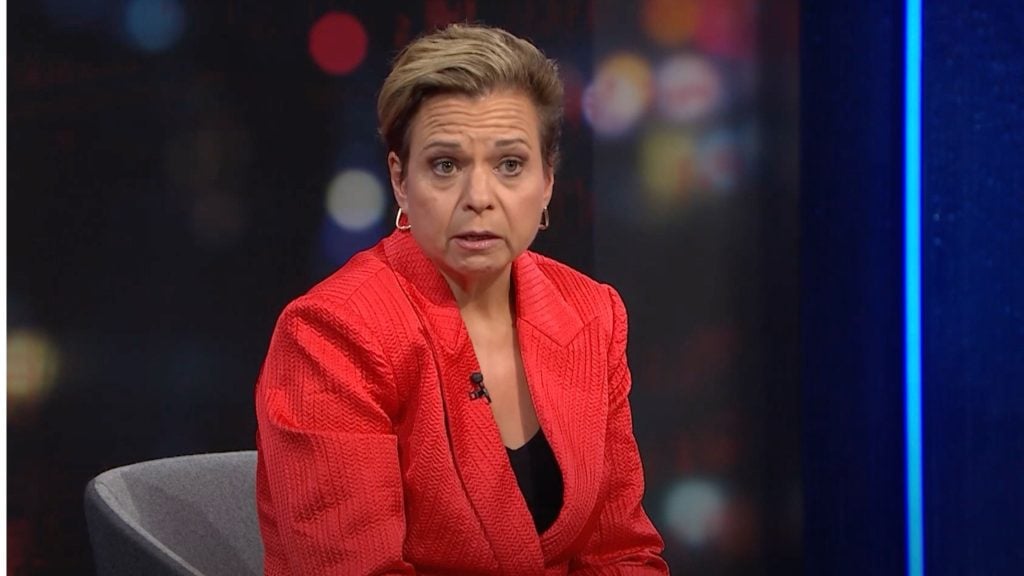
365, 295
362, 298
362, 304
346, 283
588, 297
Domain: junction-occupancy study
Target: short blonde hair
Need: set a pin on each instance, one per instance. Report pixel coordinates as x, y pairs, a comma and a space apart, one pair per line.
473, 60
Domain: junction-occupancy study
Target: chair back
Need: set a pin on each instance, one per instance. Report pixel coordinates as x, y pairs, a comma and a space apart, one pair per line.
189, 515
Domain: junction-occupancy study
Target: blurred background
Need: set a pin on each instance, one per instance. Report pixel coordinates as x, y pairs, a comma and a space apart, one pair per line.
179, 170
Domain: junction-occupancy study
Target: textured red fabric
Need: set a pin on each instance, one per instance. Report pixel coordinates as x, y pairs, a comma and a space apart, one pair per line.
373, 459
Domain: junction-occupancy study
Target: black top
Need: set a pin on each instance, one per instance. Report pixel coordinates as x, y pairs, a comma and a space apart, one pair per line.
539, 479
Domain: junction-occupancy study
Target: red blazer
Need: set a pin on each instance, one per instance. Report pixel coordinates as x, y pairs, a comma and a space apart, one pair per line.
373, 459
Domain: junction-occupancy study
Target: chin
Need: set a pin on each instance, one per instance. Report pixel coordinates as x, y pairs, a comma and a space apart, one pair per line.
478, 267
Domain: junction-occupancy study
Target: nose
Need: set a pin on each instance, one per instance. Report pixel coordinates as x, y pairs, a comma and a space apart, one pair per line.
478, 192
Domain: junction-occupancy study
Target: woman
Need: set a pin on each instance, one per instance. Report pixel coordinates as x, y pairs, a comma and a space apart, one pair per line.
449, 402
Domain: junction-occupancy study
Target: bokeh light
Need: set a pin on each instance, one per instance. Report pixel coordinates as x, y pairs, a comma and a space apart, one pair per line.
668, 168
572, 80
338, 43
668, 22
695, 510
619, 95
727, 28
355, 200
33, 362
689, 88
154, 25
720, 160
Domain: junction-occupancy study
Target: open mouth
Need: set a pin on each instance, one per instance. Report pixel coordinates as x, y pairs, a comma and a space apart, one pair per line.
476, 240
477, 236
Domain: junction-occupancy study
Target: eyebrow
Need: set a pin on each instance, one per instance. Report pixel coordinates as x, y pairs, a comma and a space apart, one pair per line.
452, 145
443, 145
510, 142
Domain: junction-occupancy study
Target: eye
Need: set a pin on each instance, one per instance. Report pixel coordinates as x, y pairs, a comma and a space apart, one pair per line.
443, 167
510, 166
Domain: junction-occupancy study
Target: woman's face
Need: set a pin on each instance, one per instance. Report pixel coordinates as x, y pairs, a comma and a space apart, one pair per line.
475, 182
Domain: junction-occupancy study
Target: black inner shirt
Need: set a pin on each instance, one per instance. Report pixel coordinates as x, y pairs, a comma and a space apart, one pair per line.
539, 479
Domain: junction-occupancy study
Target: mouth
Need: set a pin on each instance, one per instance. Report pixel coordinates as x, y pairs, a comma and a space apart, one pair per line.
476, 240
476, 236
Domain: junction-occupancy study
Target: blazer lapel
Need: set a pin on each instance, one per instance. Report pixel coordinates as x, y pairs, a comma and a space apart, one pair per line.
565, 364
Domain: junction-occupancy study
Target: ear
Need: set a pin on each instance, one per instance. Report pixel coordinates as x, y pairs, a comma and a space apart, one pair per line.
397, 181
549, 185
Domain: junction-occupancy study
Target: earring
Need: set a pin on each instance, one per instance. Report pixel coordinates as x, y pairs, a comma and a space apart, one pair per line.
398, 221
545, 219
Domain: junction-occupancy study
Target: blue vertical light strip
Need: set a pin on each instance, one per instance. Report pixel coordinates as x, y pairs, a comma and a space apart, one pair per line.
912, 286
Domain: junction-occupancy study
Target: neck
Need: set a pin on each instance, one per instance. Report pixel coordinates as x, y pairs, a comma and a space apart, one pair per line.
488, 297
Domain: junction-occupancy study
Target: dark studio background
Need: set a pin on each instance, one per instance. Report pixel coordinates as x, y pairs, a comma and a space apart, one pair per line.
170, 164
179, 170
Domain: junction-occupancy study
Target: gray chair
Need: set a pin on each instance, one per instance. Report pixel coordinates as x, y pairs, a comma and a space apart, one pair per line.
190, 515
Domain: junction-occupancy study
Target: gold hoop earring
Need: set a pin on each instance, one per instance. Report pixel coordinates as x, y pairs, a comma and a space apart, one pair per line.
398, 221
545, 219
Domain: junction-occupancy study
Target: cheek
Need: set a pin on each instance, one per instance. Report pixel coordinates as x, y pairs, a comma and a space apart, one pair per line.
530, 206
416, 197
431, 212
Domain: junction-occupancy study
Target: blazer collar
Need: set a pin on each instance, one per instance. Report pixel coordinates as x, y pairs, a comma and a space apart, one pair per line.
538, 301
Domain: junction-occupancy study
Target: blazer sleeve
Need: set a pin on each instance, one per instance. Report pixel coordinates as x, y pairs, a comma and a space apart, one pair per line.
624, 540
329, 483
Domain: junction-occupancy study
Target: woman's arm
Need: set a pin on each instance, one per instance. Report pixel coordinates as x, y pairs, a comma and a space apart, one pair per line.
329, 483
624, 540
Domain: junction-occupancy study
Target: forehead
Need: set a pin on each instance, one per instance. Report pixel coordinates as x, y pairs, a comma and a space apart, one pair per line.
497, 115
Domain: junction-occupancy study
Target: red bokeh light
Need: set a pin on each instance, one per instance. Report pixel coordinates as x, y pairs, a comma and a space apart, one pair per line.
337, 43
727, 28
